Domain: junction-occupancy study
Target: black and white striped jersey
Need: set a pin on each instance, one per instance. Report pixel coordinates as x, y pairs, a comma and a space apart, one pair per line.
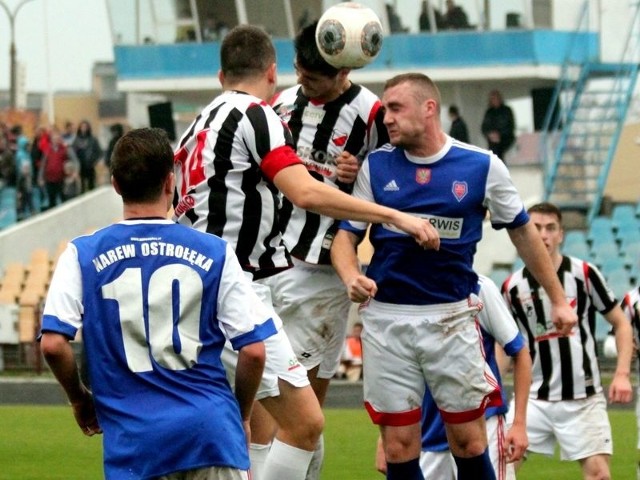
321, 132
631, 307
564, 367
224, 165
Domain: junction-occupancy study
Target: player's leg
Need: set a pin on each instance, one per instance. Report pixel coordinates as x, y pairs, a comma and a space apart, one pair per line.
583, 432
300, 422
394, 384
595, 467
462, 384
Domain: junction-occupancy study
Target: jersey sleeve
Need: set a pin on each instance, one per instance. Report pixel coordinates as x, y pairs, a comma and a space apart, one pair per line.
602, 298
502, 199
242, 315
362, 189
268, 140
63, 307
496, 319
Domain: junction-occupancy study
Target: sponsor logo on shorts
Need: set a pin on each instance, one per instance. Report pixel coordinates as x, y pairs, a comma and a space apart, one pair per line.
293, 364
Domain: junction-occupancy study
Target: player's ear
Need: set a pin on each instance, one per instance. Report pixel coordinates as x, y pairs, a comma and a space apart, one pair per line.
170, 184
221, 77
115, 185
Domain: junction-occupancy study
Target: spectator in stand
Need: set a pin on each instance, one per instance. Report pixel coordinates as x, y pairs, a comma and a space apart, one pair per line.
68, 135
88, 151
455, 18
71, 186
25, 179
40, 144
498, 125
351, 363
7, 163
117, 130
395, 25
51, 174
424, 21
458, 129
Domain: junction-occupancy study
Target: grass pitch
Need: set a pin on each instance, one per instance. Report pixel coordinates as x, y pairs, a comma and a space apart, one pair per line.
38, 442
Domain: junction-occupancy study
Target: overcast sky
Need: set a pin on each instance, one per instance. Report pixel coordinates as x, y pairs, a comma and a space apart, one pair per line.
78, 36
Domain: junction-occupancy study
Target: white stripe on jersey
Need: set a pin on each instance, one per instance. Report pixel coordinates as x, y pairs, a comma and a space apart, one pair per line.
631, 307
564, 368
220, 188
321, 132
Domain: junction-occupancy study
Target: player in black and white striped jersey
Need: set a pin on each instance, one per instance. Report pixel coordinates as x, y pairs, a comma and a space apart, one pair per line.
229, 166
334, 123
566, 401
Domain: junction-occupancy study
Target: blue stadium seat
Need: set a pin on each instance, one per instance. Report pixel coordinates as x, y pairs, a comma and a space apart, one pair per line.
601, 253
602, 327
628, 231
574, 236
611, 265
600, 231
623, 214
619, 282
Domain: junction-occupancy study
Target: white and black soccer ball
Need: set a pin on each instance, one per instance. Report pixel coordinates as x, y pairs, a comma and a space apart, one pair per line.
349, 35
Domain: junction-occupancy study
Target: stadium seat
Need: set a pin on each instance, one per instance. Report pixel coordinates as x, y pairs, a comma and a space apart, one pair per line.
499, 275
619, 282
612, 265
623, 214
601, 253
629, 231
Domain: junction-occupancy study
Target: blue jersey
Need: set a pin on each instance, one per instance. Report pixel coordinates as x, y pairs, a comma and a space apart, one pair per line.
161, 392
453, 189
496, 324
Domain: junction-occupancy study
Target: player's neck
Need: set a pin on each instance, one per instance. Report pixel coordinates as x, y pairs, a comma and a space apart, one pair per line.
133, 211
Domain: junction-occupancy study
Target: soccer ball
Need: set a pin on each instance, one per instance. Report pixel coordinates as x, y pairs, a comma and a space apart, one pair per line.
349, 35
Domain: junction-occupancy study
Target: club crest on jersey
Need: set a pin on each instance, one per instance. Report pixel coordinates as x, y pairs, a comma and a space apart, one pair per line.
339, 139
423, 175
459, 190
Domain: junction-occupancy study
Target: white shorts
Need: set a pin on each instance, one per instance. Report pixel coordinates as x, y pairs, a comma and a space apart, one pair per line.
210, 473
281, 361
314, 307
496, 432
405, 346
580, 427
438, 465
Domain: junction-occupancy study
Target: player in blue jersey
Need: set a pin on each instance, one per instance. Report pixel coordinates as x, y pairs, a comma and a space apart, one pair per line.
419, 315
156, 302
505, 446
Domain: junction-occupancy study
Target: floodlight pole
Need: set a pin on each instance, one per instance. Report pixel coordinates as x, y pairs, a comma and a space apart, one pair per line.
12, 49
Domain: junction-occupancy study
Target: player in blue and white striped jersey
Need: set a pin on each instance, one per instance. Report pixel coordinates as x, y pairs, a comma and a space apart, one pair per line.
156, 302
419, 317
230, 165
566, 400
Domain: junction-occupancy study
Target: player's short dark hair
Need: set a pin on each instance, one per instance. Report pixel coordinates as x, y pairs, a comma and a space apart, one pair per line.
246, 51
546, 208
426, 88
453, 110
307, 53
141, 161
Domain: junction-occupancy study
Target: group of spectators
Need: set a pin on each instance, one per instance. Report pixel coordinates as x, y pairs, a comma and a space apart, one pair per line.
53, 166
498, 125
453, 18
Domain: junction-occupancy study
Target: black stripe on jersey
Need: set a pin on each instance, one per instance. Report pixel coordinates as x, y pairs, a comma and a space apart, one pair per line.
544, 349
518, 313
295, 121
381, 129
257, 118
190, 132
218, 190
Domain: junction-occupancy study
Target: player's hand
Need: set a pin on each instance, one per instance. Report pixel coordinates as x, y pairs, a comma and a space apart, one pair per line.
564, 318
347, 167
421, 230
361, 288
620, 390
381, 461
515, 443
85, 414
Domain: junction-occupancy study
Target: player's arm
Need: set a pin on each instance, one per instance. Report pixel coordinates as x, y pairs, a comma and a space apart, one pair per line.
516, 441
249, 370
59, 356
535, 256
620, 389
345, 261
307, 193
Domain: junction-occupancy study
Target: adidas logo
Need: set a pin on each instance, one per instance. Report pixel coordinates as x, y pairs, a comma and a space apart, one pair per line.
392, 186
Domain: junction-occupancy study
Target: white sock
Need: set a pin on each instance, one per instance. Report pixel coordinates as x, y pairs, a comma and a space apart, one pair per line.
315, 467
285, 462
258, 456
